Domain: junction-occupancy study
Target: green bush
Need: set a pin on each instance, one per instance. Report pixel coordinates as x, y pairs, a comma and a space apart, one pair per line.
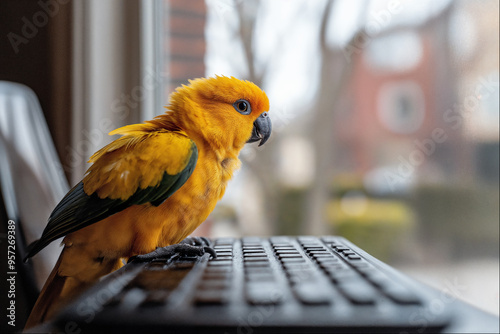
380, 227
463, 216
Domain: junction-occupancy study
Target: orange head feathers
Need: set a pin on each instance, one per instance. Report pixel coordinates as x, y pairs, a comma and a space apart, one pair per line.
223, 112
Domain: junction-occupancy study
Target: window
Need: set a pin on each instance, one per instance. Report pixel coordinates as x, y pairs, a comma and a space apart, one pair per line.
401, 107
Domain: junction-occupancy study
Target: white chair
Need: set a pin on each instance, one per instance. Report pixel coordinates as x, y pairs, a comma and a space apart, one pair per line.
31, 180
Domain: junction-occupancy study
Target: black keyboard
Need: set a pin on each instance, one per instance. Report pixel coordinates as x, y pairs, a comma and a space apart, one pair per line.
261, 285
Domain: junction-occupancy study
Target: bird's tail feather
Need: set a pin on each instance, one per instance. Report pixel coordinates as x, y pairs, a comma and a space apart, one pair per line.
29, 249
49, 297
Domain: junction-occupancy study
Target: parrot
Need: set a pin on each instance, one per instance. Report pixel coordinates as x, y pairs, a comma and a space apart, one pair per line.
148, 190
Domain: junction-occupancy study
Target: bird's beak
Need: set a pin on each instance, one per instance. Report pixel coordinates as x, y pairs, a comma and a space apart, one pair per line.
261, 129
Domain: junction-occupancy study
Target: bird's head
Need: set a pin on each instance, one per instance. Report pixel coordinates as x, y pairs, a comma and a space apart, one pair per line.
222, 111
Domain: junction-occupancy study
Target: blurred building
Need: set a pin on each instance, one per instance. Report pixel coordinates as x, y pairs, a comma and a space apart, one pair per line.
416, 106
479, 66
184, 41
420, 125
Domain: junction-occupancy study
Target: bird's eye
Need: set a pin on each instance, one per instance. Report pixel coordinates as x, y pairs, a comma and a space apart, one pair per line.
243, 107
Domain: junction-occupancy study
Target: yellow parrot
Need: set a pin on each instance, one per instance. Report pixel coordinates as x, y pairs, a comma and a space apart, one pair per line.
149, 189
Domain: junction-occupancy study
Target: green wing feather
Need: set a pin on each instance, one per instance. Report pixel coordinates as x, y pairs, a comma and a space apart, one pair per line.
79, 209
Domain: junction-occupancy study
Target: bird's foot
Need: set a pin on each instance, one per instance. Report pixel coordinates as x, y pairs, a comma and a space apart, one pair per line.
189, 247
196, 241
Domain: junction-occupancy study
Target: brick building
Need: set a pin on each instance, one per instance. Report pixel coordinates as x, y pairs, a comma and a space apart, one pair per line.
184, 41
403, 102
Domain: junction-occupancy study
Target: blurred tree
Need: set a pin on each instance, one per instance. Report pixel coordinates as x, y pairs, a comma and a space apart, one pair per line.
247, 16
336, 62
336, 65
335, 68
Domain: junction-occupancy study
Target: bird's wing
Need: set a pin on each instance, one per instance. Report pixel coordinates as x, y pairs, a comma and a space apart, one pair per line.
137, 168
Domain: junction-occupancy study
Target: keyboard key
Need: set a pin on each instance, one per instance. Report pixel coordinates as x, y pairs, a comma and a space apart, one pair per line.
260, 254
290, 266
214, 284
290, 256
286, 251
253, 273
311, 293
252, 248
155, 298
315, 249
263, 293
219, 254
252, 244
360, 265
210, 297
256, 264
216, 247
378, 279
222, 258
218, 269
311, 245
284, 247
400, 294
342, 275
216, 275
188, 258
251, 251
292, 259
322, 255
256, 259
260, 276
342, 249
220, 263
299, 277
330, 266
327, 259
358, 292
338, 265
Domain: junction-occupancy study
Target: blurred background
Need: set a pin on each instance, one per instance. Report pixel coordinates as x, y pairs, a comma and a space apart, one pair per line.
385, 113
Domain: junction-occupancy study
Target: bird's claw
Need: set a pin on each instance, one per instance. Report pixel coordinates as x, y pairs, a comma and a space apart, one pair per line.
196, 241
182, 249
210, 251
